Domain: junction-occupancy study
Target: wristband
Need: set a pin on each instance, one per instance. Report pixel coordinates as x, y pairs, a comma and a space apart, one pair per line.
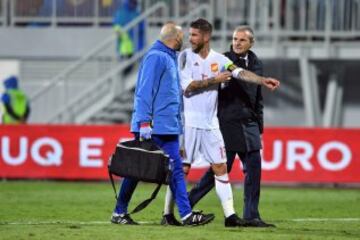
236, 72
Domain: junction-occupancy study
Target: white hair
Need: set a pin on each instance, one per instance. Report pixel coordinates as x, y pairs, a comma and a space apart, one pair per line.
245, 28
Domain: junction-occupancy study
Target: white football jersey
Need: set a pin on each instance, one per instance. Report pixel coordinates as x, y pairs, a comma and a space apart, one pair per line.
200, 109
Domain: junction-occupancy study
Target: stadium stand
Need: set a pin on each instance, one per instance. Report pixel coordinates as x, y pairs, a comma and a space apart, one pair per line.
69, 68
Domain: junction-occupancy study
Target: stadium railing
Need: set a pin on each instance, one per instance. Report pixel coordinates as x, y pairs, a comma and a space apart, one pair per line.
104, 89
2, 12
296, 29
296, 21
60, 109
90, 13
56, 13
271, 19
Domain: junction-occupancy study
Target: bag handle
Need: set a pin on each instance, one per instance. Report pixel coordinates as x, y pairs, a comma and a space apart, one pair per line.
112, 182
141, 205
146, 202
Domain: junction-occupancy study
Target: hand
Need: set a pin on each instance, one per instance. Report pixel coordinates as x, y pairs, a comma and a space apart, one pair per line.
271, 83
145, 131
223, 77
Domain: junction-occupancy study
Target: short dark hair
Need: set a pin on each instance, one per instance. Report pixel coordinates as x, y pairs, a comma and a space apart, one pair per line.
202, 24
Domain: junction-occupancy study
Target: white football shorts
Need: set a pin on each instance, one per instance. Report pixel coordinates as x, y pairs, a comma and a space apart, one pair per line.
209, 143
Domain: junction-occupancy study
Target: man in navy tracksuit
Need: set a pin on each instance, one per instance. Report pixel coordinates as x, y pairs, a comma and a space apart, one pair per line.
157, 106
240, 113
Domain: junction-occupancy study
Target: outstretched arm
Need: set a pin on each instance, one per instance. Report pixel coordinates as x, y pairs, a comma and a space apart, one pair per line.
247, 76
270, 83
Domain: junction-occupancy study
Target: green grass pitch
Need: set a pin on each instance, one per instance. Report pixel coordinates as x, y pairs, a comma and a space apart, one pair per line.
81, 210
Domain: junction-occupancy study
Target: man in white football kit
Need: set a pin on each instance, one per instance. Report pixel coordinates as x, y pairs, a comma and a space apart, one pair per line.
202, 132
201, 71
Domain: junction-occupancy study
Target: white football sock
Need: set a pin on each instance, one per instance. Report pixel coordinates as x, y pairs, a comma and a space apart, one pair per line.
169, 202
224, 192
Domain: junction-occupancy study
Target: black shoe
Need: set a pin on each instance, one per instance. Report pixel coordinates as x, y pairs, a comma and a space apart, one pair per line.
197, 219
169, 219
123, 219
257, 222
234, 221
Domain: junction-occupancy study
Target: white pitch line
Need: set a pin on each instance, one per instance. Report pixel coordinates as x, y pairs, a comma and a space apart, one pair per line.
55, 222
325, 219
145, 222
63, 222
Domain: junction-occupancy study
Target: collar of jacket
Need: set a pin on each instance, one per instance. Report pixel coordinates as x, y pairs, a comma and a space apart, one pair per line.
160, 46
234, 56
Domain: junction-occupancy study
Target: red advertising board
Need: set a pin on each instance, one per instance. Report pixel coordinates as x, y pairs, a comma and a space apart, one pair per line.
290, 155
58, 152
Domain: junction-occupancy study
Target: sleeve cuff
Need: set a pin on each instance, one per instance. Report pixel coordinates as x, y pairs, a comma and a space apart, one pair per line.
145, 124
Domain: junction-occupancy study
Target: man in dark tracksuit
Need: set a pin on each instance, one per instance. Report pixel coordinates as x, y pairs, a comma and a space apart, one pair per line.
240, 114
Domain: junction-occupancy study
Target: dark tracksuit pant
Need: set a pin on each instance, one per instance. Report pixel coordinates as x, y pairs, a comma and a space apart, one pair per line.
252, 170
170, 145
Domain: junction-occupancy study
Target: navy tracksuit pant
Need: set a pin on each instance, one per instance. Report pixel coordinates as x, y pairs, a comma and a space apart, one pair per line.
252, 171
170, 145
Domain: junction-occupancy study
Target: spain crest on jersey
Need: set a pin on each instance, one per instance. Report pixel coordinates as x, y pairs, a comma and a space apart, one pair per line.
214, 67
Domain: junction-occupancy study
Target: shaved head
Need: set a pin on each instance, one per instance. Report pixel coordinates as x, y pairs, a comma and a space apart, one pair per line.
172, 36
170, 31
